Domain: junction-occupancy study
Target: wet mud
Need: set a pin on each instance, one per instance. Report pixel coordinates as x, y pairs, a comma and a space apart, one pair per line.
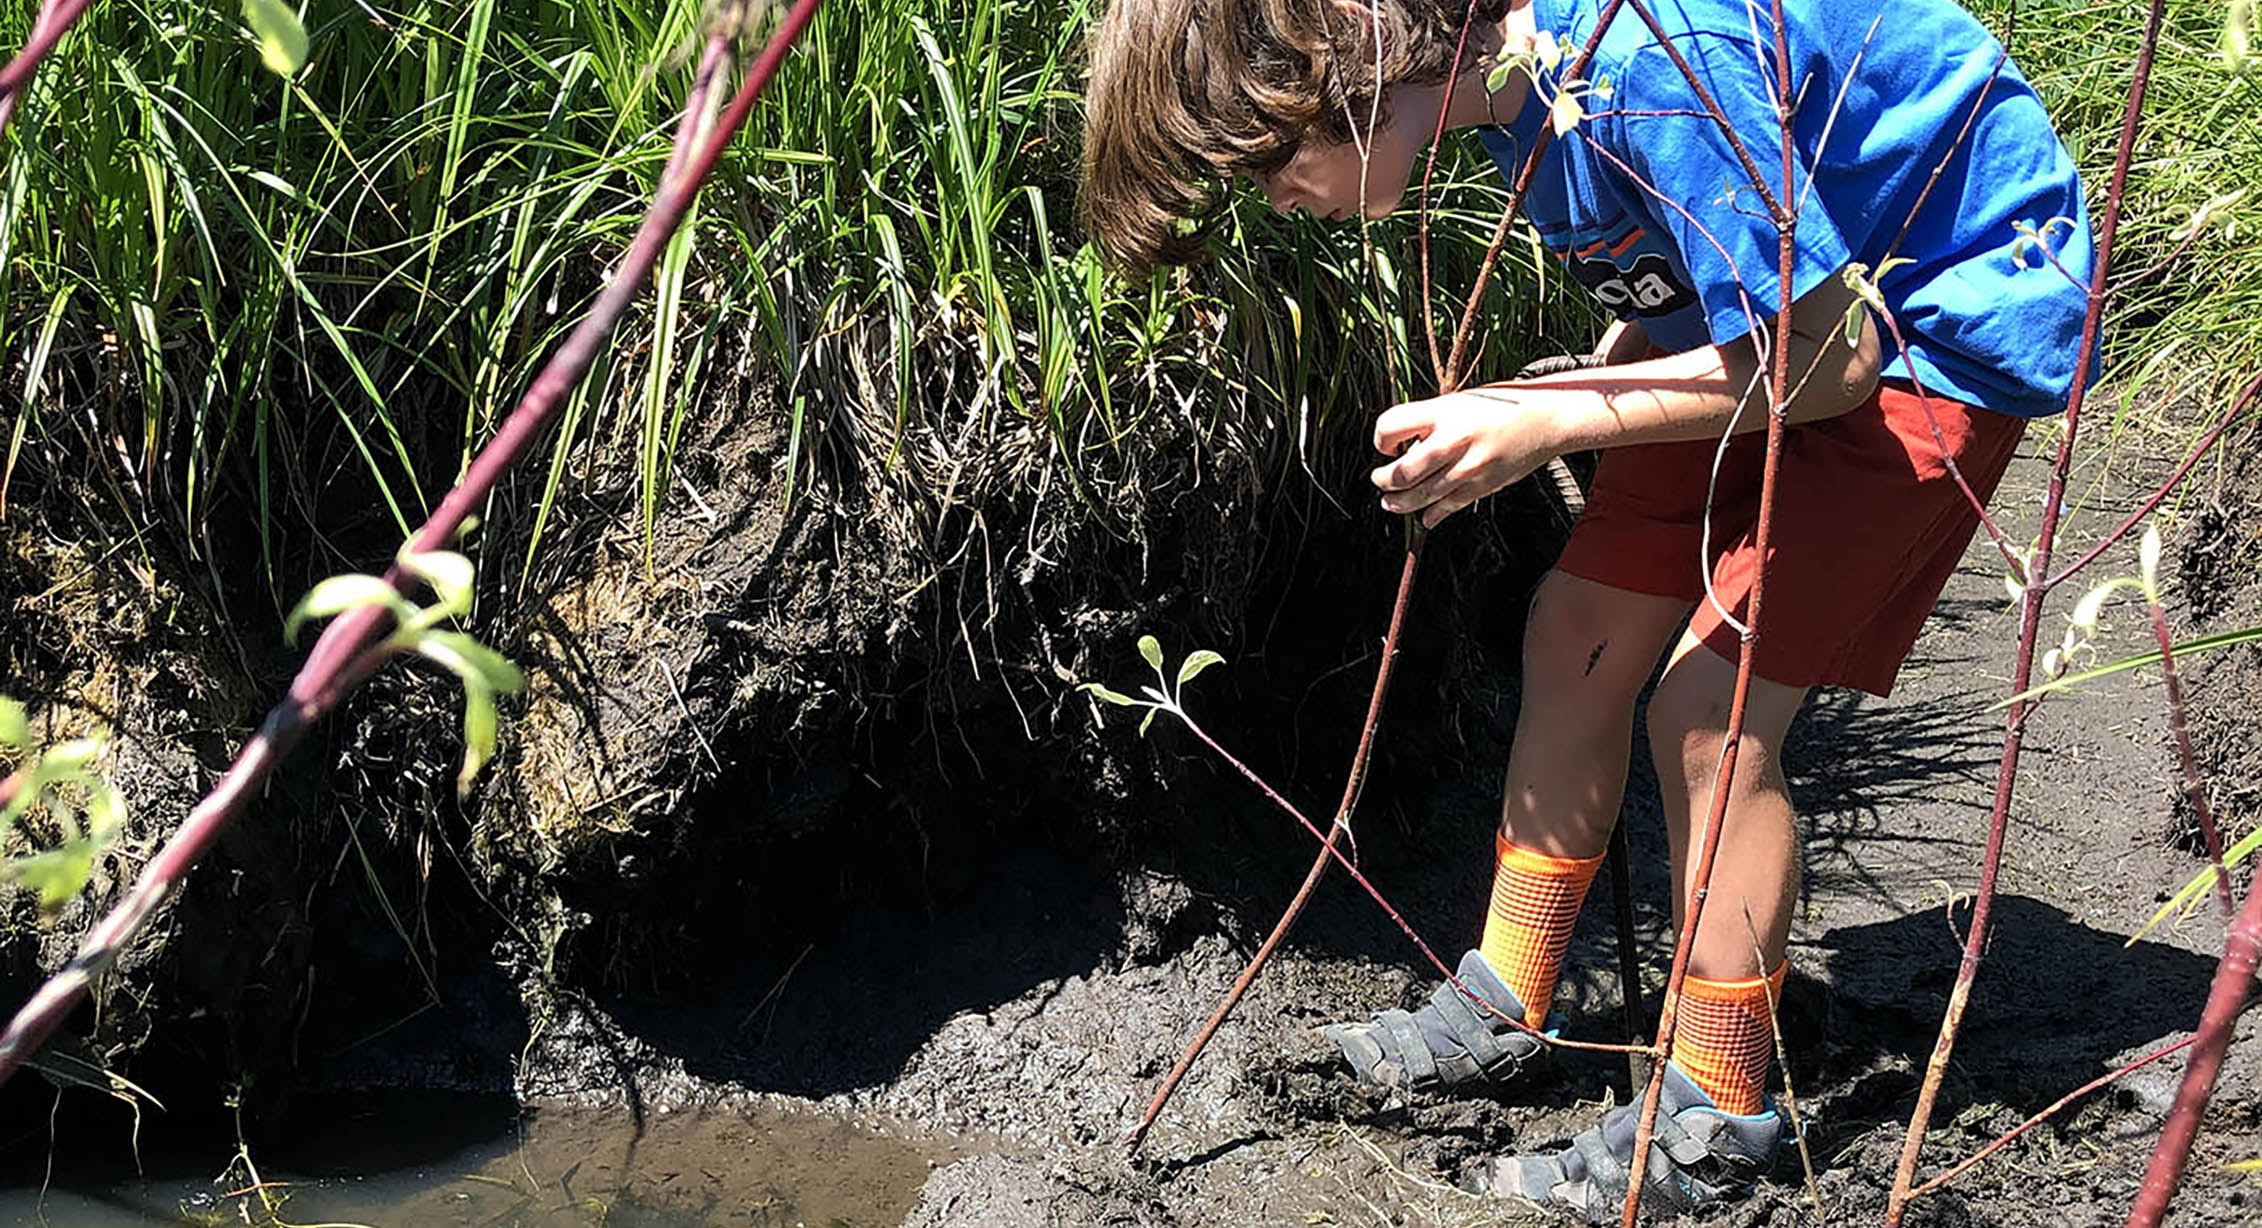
938, 996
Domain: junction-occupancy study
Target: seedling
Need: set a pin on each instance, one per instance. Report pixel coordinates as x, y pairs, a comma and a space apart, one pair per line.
59, 783
1165, 695
483, 671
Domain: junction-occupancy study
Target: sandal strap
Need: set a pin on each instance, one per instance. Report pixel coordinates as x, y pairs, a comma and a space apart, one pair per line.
1490, 1043
1412, 1048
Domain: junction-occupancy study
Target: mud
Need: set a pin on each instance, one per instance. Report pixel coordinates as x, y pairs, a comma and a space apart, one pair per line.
1894, 795
986, 921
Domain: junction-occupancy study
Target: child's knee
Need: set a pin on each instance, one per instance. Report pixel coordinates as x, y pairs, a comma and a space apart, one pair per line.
1582, 638
1688, 720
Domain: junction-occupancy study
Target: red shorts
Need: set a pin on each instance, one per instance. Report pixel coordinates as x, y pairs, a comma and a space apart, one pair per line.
1868, 527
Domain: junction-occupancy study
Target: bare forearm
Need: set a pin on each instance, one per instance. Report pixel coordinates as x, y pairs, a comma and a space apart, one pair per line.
1452, 450
1704, 392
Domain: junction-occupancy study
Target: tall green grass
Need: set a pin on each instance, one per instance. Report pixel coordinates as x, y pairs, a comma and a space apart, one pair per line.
2179, 342
279, 296
299, 305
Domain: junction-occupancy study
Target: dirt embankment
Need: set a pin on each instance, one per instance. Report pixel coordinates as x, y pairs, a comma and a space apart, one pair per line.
801, 804
770, 719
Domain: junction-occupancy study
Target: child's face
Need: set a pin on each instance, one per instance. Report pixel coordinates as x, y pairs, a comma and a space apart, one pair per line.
1324, 178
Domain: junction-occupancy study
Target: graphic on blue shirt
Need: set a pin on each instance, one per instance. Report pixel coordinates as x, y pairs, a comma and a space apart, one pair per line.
1647, 204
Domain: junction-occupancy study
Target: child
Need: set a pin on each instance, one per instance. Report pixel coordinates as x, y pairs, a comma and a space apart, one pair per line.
1651, 207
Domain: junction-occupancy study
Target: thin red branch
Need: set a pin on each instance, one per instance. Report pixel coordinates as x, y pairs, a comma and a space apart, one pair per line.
1724, 776
1455, 375
1375, 893
2194, 790
2226, 999
344, 656
1429, 173
2206, 442
2030, 620
2056, 1106
1352, 788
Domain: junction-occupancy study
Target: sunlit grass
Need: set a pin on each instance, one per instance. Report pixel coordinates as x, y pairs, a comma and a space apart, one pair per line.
300, 305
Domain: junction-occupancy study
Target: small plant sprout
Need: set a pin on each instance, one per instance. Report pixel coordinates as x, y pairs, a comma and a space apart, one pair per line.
2082, 623
2038, 239
1165, 695
484, 672
1536, 59
1864, 286
2214, 211
57, 785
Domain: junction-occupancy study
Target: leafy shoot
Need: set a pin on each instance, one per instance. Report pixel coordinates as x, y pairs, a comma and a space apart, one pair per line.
484, 672
59, 784
1166, 694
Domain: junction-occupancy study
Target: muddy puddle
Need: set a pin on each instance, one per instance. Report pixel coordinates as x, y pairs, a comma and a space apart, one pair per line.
444, 1160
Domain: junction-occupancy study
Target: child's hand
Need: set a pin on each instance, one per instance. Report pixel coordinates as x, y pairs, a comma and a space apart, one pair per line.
1454, 450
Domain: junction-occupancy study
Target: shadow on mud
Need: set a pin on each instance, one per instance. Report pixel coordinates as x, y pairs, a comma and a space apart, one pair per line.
2056, 1003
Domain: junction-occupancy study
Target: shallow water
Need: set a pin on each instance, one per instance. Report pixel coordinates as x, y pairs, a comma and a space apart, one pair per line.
382, 1165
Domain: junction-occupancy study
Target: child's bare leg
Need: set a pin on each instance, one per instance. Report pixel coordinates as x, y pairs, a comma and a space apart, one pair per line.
1724, 1041
1588, 649
1758, 864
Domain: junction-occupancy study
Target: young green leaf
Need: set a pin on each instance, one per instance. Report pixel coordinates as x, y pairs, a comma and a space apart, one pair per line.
2091, 605
15, 724
478, 734
450, 575
1546, 49
69, 758
1195, 663
1118, 698
1151, 649
105, 813
1855, 314
1147, 720
471, 661
1497, 80
56, 874
282, 39
1564, 112
338, 594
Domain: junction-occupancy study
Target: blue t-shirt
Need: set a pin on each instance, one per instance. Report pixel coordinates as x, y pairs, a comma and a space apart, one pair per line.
1979, 327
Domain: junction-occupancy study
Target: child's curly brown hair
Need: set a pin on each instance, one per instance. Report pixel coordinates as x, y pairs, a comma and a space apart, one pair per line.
1186, 94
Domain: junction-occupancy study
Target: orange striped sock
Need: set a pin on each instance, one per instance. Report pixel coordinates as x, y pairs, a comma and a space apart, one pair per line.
1535, 902
1725, 1038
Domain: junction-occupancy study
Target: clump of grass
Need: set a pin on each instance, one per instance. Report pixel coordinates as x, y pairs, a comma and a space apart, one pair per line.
298, 302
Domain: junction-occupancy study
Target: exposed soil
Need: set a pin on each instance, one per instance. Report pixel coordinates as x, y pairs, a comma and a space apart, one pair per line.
1033, 998
986, 922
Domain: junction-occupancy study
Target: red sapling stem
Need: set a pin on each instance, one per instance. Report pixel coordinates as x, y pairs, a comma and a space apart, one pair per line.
2194, 789
1352, 787
2030, 621
2226, 999
2239, 405
343, 657
55, 19
1723, 779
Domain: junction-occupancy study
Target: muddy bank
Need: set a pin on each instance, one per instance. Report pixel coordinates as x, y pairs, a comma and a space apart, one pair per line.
1037, 1001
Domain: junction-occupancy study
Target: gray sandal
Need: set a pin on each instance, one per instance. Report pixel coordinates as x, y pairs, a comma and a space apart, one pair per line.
1698, 1157
1450, 1040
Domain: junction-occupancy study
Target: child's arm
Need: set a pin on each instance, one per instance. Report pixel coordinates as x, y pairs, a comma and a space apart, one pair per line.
1461, 447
